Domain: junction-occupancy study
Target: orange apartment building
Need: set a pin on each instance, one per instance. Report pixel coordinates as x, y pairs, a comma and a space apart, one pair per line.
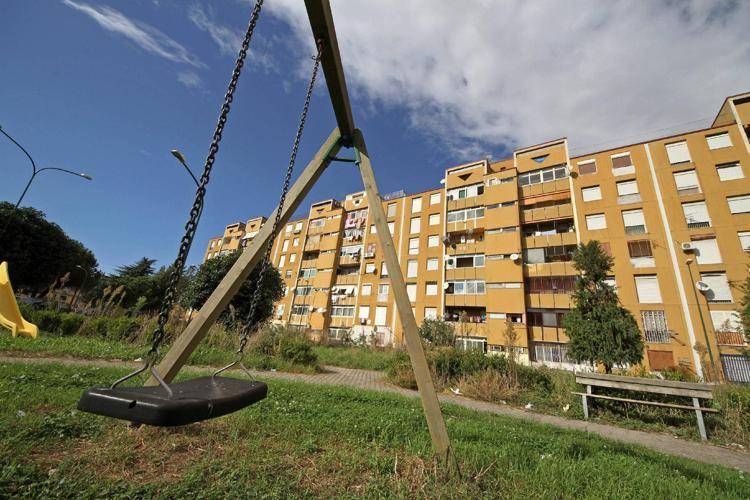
493, 244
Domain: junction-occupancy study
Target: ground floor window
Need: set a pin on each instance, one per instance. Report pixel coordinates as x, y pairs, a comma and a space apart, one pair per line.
471, 344
736, 367
338, 334
551, 352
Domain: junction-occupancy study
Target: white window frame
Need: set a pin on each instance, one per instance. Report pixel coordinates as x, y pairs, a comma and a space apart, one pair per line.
739, 204
591, 193
647, 289
432, 263
412, 268
434, 220
730, 171
431, 288
433, 240
599, 218
414, 246
678, 152
719, 141
435, 198
416, 205
415, 225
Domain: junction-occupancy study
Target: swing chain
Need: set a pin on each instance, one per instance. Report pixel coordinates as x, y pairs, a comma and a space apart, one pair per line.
195, 212
249, 324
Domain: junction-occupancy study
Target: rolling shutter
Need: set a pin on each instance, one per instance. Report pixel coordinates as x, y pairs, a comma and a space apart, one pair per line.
380, 315
739, 204
591, 193
678, 152
707, 251
647, 288
719, 285
719, 141
695, 212
686, 180
596, 221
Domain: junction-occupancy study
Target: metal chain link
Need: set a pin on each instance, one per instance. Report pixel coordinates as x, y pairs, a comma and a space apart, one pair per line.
195, 212
249, 324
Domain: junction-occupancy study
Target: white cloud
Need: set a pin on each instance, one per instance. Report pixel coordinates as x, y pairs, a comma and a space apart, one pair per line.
229, 40
479, 75
189, 79
145, 36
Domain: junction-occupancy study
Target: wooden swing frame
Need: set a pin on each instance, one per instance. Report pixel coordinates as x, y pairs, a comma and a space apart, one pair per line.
345, 135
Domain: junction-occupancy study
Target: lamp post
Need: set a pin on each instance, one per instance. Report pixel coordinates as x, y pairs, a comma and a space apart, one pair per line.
700, 315
83, 284
36, 171
181, 158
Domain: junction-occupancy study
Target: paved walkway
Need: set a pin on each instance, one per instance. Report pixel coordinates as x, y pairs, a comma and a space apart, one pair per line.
372, 380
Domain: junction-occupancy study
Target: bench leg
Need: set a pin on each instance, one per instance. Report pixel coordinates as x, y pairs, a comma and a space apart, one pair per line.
699, 416
586, 403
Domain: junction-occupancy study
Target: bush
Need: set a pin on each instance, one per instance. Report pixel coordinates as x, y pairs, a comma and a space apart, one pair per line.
53, 322
297, 349
121, 328
437, 333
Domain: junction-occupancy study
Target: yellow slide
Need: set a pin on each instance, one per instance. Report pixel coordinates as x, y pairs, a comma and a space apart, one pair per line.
10, 315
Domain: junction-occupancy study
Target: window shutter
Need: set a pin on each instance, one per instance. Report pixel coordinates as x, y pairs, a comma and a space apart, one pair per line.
534, 255
416, 205
622, 161
723, 319
678, 152
707, 251
730, 172
596, 221
739, 204
588, 167
686, 180
434, 198
640, 248
415, 225
719, 291
719, 141
431, 288
380, 315
695, 212
647, 288
364, 312
744, 240
411, 291
591, 193
411, 269
627, 187
633, 218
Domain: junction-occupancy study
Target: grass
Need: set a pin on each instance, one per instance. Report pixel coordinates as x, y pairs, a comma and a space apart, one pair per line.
316, 441
355, 357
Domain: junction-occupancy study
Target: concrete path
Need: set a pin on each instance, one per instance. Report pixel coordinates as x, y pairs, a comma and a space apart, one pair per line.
373, 381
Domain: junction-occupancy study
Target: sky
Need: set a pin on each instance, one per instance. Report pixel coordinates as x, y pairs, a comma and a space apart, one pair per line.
110, 87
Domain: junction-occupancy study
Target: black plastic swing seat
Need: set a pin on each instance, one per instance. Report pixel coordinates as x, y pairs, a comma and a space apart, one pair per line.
192, 401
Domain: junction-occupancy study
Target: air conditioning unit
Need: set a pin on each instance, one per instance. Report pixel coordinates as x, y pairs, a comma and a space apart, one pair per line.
688, 246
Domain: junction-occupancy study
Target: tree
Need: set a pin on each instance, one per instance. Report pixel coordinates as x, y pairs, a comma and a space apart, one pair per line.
39, 252
437, 332
599, 328
744, 312
211, 272
142, 267
139, 284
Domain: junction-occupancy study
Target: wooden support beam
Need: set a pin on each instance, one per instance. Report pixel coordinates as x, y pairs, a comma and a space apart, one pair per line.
435, 421
219, 299
321, 22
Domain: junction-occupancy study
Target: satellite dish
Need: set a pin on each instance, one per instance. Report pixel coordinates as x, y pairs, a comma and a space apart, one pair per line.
702, 286
446, 285
514, 257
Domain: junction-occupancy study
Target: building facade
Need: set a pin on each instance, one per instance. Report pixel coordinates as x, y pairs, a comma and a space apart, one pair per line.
493, 245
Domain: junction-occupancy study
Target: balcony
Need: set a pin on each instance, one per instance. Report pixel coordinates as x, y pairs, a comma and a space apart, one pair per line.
349, 260
730, 338
562, 211
347, 279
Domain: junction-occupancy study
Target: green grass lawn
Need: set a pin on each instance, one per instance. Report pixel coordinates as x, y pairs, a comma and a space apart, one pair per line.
354, 357
317, 441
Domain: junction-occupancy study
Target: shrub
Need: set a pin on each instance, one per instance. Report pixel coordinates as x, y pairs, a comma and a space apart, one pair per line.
121, 328
437, 332
734, 403
53, 322
399, 371
297, 349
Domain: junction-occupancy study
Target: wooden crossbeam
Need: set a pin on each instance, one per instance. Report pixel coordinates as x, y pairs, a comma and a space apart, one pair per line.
321, 22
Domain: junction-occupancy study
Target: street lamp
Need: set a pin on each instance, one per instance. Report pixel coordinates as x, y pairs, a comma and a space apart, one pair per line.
181, 158
36, 170
700, 314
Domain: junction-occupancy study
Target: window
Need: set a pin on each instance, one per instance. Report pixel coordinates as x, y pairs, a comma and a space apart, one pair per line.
504, 285
726, 321
460, 261
739, 204
411, 269
366, 290
415, 225
744, 240
300, 309
391, 210
687, 182
627, 192
719, 141
416, 205
655, 327
707, 251
293, 257
622, 164
466, 192
289, 227
288, 273
543, 175
640, 253
298, 226
730, 171
370, 268
430, 313
430, 288
391, 227
596, 221
307, 273
432, 264
463, 215
736, 367
414, 246
411, 291
434, 219
285, 246
282, 260
587, 167
550, 284
383, 269
313, 223
364, 312
592, 193
280, 310
433, 240
465, 287
383, 291
380, 315
718, 287
343, 311
558, 253
434, 198
647, 288
696, 214
678, 152
551, 352
634, 221
295, 242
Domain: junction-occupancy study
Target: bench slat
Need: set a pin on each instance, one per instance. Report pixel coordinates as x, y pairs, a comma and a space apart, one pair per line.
636, 384
652, 403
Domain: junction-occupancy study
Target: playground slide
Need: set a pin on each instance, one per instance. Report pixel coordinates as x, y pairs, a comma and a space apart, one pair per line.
10, 315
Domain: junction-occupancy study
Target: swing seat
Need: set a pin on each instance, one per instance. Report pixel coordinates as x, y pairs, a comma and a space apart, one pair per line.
192, 401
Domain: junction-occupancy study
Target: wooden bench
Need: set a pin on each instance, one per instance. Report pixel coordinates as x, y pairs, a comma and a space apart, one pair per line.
653, 386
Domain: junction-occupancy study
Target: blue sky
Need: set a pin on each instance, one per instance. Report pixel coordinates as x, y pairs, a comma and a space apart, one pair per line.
109, 87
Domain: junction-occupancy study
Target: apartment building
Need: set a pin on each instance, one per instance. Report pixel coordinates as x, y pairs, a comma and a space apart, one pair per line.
493, 245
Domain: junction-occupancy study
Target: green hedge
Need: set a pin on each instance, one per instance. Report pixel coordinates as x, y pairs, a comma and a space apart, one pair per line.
66, 324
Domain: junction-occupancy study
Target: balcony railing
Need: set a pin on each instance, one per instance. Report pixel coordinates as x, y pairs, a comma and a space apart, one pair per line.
639, 229
730, 338
657, 336
628, 198
699, 224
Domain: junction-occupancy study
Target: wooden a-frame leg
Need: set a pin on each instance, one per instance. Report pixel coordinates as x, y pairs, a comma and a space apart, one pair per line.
430, 403
250, 257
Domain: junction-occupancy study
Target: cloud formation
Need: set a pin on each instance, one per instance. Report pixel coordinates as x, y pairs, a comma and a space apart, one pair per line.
143, 35
190, 79
481, 76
